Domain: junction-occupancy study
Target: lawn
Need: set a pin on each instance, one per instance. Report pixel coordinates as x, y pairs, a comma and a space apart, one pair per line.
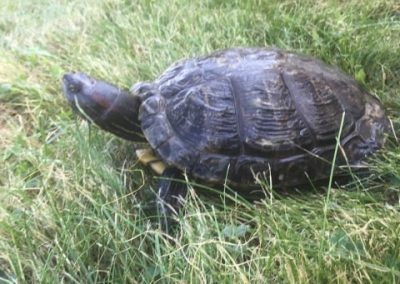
75, 204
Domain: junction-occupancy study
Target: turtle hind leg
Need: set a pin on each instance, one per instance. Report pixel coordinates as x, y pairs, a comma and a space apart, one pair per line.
171, 190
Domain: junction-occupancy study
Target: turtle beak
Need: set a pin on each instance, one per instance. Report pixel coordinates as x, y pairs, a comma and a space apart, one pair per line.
76, 86
74, 83
71, 88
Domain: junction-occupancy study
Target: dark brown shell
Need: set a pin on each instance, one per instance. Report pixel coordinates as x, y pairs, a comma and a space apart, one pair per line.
239, 112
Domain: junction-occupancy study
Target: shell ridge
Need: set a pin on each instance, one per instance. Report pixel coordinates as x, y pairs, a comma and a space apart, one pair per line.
239, 115
287, 82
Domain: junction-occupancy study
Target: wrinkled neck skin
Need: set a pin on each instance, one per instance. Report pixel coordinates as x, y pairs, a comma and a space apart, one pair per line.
104, 104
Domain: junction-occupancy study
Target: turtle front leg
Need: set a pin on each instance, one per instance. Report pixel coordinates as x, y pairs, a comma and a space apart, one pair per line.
171, 191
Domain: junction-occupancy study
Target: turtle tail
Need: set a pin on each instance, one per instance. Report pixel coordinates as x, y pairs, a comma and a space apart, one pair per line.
104, 104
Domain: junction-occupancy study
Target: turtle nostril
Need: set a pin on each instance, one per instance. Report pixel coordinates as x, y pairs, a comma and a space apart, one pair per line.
74, 88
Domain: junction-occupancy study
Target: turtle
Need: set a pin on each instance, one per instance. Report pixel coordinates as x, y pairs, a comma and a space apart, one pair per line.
227, 117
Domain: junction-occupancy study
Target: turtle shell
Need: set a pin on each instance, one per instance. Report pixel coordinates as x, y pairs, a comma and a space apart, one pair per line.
241, 112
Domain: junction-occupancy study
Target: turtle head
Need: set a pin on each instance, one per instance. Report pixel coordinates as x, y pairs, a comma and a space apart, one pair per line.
104, 104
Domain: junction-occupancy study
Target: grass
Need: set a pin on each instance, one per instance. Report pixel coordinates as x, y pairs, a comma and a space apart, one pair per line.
73, 199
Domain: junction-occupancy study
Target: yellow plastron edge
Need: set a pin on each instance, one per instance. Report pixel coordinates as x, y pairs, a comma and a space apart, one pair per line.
148, 158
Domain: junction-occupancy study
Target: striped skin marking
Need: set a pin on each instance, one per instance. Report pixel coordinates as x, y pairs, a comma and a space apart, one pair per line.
80, 109
148, 158
128, 131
